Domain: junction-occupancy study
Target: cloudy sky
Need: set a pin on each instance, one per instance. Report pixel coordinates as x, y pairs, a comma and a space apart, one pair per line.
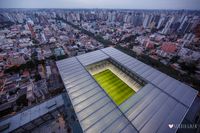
124, 4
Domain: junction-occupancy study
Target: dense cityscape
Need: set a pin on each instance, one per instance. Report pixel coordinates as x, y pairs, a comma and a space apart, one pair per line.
33, 40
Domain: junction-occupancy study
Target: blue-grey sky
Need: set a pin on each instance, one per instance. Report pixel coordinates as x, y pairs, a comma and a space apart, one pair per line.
126, 4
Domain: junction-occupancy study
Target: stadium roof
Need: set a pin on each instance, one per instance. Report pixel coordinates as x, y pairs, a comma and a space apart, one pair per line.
162, 101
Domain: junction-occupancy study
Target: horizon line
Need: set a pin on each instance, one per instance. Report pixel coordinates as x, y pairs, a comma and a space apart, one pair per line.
101, 8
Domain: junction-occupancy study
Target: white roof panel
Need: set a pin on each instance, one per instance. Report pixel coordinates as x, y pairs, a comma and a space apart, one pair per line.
92, 57
31, 114
92, 105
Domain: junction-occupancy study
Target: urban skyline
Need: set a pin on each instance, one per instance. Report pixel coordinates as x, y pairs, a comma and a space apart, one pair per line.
109, 4
87, 67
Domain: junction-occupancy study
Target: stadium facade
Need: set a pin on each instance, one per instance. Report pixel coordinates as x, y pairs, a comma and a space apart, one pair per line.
161, 102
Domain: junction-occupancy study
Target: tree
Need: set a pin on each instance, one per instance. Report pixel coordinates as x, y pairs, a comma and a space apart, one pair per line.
174, 59
189, 67
12, 69
37, 77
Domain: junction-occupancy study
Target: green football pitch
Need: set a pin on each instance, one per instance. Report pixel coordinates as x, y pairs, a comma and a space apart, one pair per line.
114, 86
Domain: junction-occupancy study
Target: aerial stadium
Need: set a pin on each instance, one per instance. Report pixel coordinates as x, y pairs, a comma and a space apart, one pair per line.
113, 92
118, 85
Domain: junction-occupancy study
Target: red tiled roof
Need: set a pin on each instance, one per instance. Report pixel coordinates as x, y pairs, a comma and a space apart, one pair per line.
1, 74
1, 57
26, 73
169, 47
149, 45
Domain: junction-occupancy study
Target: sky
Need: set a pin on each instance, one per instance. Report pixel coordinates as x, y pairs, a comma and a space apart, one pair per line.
121, 4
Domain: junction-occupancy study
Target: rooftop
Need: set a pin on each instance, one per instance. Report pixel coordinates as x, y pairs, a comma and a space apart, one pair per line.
162, 101
22, 118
